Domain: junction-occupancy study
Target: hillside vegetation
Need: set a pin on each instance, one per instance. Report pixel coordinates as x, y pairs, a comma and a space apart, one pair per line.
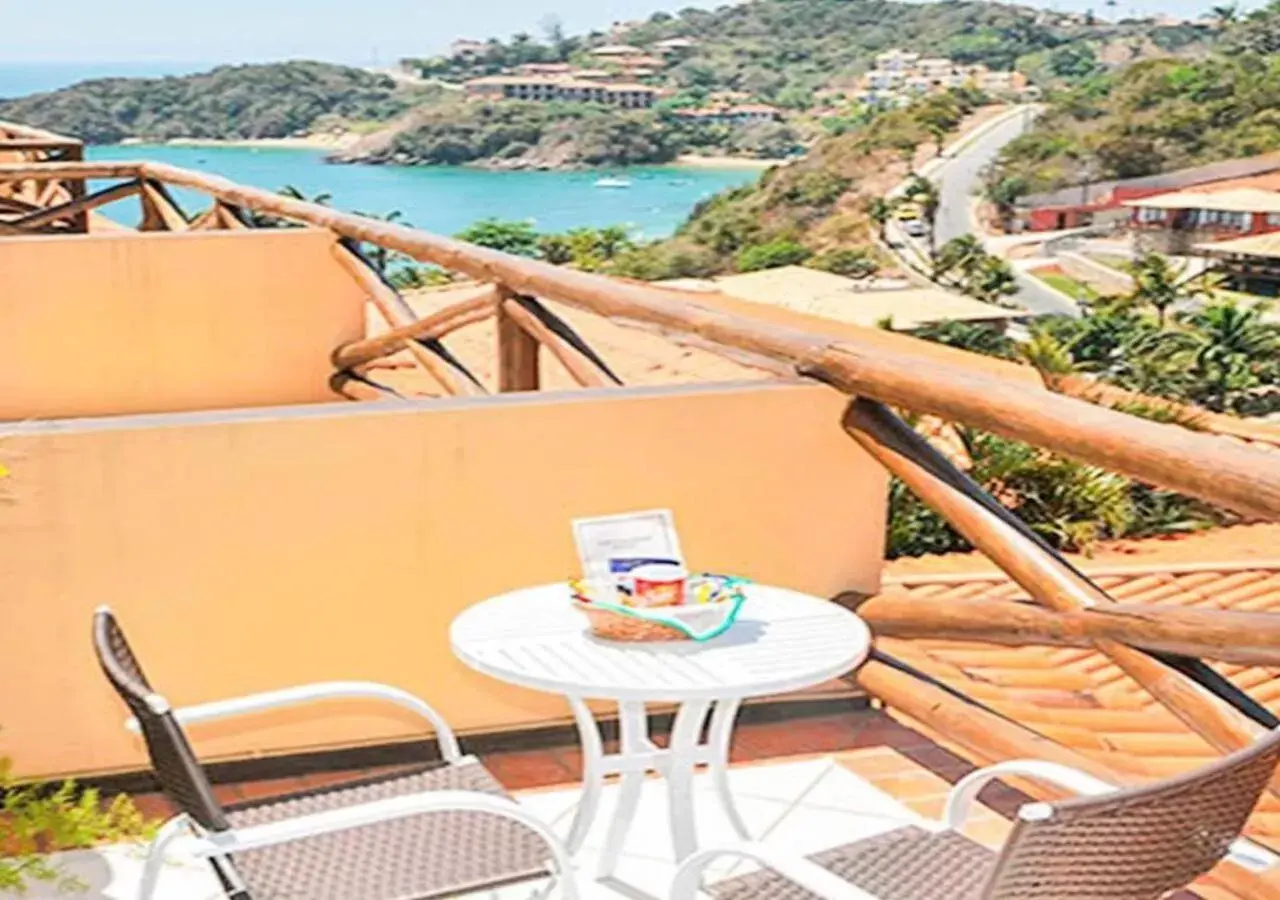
1155, 116
253, 101
520, 135
820, 209
780, 50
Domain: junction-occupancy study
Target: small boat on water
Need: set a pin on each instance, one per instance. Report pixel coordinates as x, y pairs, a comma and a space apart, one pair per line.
611, 182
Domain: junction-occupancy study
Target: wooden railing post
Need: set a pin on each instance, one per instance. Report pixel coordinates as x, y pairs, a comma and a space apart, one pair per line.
517, 351
77, 188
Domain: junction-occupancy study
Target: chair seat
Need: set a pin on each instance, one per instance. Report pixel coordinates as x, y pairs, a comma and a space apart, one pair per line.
415, 858
906, 864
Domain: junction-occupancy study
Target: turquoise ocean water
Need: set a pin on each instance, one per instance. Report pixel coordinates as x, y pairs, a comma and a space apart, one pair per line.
446, 200
442, 200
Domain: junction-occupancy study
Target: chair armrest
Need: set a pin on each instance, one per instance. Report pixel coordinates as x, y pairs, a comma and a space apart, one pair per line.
1244, 852
310, 693
966, 790
805, 873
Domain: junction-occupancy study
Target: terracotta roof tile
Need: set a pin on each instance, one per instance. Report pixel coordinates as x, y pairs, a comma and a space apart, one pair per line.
1080, 699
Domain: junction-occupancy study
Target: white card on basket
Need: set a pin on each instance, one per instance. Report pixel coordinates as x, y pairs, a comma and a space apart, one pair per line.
648, 534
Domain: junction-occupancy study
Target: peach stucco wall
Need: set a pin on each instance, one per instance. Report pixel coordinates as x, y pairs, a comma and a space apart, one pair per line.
147, 322
267, 548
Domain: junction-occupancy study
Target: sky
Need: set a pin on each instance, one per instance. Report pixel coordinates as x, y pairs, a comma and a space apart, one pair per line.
354, 31
363, 32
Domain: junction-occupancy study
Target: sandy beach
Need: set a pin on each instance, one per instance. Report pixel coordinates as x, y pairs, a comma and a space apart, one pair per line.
727, 162
309, 142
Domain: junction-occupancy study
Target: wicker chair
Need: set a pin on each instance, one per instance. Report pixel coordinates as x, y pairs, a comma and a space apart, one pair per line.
1132, 844
432, 830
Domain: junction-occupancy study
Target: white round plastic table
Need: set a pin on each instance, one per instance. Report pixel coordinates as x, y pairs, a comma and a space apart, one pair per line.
782, 641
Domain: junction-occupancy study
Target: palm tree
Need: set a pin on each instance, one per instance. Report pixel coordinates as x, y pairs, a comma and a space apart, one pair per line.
255, 219
381, 257
612, 240
925, 194
880, 210
1231, 345
1050, 356
962, 255
294, 193
555, 249
993, 281
1224, 14
1158, 284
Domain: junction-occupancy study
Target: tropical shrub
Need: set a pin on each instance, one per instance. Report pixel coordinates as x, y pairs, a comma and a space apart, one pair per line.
1071, 505
772, 255
518, 238
851, 262
36, 820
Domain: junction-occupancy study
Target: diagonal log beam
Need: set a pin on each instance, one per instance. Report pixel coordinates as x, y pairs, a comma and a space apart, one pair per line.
361, 388
229, 218
1048, 580
1245, 638
397, 313
159, 212
435, 326
1242, 478
75, 207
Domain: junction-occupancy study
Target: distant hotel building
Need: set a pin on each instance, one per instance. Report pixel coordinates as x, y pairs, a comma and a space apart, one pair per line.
900, 74
569, 89
740, 114
464, 47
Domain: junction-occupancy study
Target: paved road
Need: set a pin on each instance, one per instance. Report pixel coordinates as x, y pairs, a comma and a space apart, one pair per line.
960, 180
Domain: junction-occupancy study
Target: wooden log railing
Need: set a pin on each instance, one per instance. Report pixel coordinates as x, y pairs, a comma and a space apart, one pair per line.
1045, 577
38, 219
1239, 477
435, 326
45, 146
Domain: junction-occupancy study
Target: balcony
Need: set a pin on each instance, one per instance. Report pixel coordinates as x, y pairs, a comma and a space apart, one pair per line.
278, 469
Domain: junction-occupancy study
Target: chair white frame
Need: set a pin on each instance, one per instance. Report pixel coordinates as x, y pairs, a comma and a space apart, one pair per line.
182, 836
824, 883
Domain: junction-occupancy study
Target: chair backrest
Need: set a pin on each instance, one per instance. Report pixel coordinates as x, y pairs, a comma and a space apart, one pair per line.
1138, 843
174, 762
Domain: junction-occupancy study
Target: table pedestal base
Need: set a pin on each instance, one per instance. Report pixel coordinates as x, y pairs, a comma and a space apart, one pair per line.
638, 755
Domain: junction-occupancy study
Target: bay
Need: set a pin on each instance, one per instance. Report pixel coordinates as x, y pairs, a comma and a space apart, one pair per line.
446, 200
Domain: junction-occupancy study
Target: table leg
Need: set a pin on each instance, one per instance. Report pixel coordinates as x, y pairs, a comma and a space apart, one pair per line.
593, 774
718, 739
634, 741
682, 762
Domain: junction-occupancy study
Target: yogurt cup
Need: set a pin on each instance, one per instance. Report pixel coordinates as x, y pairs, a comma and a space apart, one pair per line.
659, 584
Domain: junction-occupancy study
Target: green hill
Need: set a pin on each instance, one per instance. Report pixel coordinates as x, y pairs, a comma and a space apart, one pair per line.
780, 50
1155, 116
251, 101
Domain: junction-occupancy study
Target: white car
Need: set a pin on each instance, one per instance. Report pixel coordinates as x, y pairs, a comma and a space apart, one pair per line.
915, 228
